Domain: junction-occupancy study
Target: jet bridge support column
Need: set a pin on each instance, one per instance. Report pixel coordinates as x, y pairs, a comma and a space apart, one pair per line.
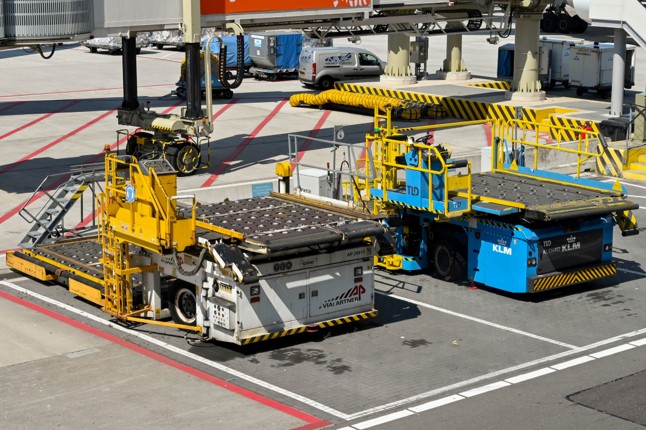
453, 67
129, 69
526, 85
398, 69
618, 73
192, 41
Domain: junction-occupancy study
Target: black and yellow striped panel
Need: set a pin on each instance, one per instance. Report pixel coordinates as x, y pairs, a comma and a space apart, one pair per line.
575, 277
498, 224
610, 162
466, 109
400, 204
496, 85
626, 221
302, 329
387, 92
569, 129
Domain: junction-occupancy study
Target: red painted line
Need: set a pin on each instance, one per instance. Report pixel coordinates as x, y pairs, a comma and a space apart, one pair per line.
81, 91
90, 159
37, 120
11, 105
57, 141
225, 164
310, 419
312, 133
4, 251
488, 135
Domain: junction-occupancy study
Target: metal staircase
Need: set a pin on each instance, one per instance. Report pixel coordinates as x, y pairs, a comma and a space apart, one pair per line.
627, 14
62, 191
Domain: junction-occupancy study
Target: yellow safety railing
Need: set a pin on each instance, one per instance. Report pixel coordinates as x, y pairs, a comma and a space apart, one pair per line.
515, 135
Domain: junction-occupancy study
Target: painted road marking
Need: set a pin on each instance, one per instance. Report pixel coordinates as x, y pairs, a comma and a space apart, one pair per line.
530, 375
484, 389
640, 342
481, 321
611, 351
381, 408
436, 403
382, 420
571, 363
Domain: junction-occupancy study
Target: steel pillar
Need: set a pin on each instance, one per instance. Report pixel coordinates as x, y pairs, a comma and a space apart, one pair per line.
129, 69
618, 73
398, 68
192, 32
526, 85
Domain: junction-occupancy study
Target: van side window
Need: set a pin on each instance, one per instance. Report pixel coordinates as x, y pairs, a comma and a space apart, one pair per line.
368, 60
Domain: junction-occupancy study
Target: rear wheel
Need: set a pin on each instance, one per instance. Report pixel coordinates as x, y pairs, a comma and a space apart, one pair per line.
136, 142
183, 306
549, 22
565, 24
447, 263
326, 83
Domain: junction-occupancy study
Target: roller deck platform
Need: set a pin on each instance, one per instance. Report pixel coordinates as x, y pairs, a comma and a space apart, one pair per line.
263, 225
541, 199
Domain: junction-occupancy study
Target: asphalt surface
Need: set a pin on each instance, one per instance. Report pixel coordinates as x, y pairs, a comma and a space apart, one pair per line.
439, 355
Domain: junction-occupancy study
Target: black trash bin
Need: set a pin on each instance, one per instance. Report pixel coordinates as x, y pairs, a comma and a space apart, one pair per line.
615, 128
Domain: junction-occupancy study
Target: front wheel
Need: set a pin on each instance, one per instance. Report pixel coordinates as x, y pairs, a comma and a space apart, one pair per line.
183, 306
185, 158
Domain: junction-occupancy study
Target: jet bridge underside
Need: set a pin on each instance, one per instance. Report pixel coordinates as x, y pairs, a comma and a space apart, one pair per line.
542, 200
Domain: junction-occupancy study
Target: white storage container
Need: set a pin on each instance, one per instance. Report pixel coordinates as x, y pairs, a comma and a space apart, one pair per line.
591, 67
316, 181
559, 59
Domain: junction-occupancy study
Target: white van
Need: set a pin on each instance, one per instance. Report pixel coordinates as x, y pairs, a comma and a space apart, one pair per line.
322, 67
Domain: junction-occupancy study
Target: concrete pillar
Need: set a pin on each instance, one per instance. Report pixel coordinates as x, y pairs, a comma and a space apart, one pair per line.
618, 73
398, 68
526, 85
453, 67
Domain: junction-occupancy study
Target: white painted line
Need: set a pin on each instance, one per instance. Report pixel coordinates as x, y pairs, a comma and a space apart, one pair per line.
485, 389
610, 351
481, 321
640, 342
495, 374
571, 363
186, 354
632, 272
382, 420
436, 403
346, 428
530, 375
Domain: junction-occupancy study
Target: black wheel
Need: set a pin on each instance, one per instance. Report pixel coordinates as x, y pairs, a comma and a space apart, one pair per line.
580, 91
184, 158
182, 304
447, 262
136, 142
565, 24
580, 25
227, 94
138, 50
549, 22
326, 83
566, 84
605, 94
94, 50
159, 46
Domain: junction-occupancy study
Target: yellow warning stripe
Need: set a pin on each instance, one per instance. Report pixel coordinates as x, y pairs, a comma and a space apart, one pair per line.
576, 277
497, 85
626, 221
302, 329
610, 162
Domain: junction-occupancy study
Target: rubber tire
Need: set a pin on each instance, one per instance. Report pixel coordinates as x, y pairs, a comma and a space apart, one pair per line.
138, 51
549, 23
177, 154
565, 24
132, 148
446, 262
227, 94
326, 83
580, 91
159, 46
183, 305
94, 50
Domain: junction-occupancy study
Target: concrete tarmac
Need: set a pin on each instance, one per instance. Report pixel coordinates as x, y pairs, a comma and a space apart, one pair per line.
56, 373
